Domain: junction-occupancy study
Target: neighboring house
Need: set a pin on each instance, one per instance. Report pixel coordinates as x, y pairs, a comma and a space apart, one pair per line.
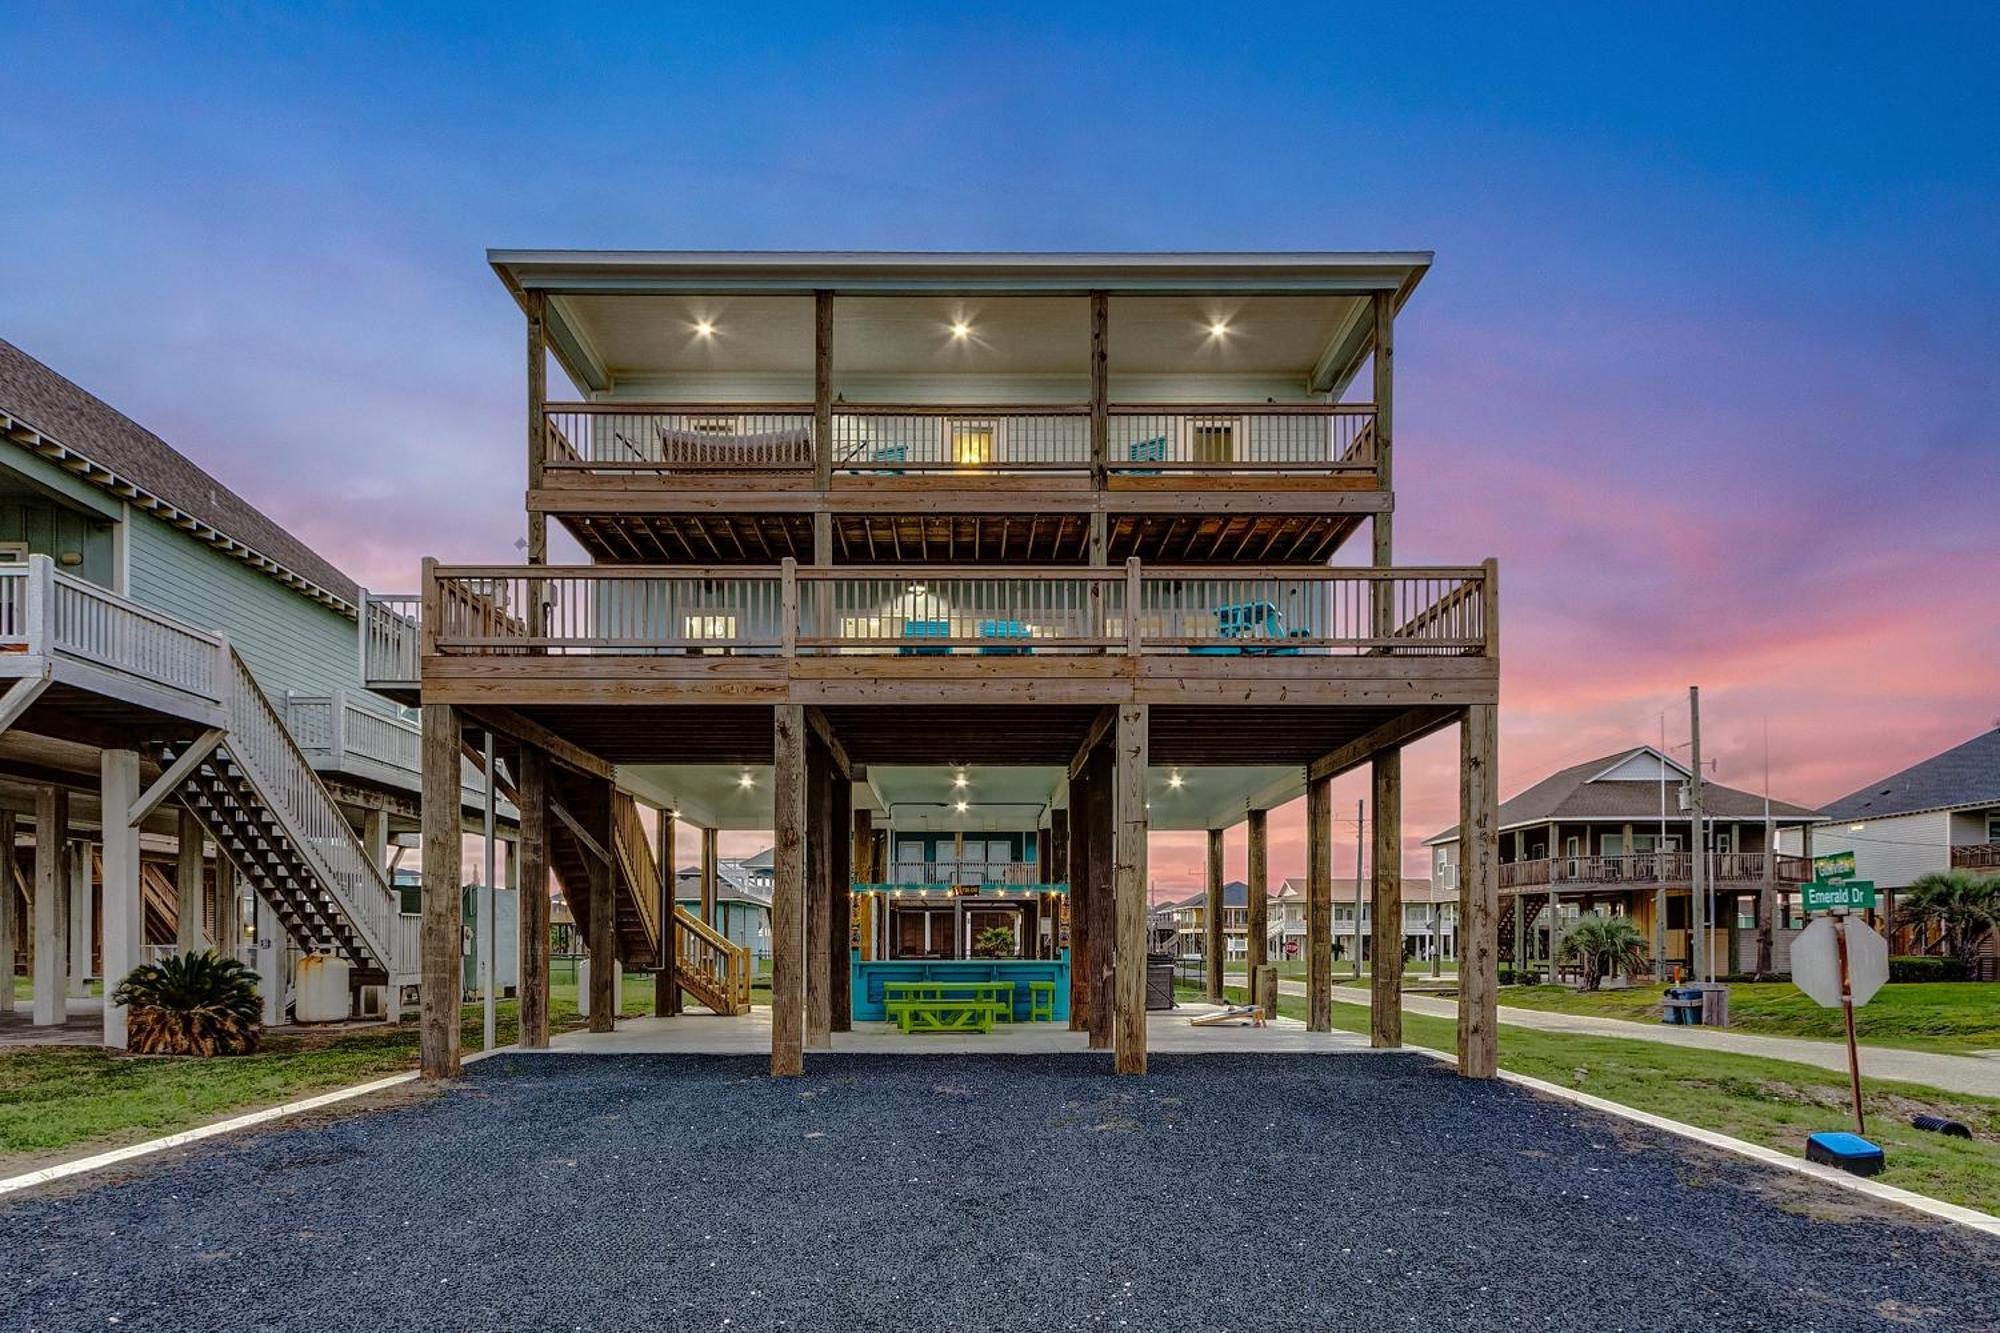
152, 620
1181, 925
1940, 814
742, 899
1613, 835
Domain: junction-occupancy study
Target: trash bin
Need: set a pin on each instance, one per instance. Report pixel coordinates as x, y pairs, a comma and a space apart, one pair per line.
1681, 1006
1159, 981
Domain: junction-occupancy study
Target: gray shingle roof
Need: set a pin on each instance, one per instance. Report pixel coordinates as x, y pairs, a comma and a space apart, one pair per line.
33, 394
1967, 774
1570, 794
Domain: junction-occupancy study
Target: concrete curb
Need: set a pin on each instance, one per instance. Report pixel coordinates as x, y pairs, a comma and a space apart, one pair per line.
1922, 1203
131, 1152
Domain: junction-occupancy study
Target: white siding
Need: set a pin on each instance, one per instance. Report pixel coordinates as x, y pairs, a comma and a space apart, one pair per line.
1892, 852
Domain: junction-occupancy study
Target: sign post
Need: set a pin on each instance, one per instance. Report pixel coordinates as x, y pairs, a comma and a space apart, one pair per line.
1840, 960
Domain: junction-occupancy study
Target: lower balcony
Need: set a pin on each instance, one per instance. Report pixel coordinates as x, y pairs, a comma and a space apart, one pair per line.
1976, 856
1649, 870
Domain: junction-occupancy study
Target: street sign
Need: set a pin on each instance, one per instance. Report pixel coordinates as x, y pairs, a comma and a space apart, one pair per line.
1816, 960
1834, 866
1857, 895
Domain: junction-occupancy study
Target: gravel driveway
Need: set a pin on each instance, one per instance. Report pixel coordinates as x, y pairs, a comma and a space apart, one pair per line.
960, 1193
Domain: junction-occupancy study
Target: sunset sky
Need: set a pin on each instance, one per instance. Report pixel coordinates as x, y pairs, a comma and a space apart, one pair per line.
1707, 359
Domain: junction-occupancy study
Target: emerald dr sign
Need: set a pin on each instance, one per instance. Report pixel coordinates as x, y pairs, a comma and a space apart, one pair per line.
1854, 894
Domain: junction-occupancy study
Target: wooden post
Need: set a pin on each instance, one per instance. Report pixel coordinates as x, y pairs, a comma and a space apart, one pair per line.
443, 859
1382, 525
822, 396
1319, 906
865, 872
1129, 876
538, 392
788, 889
840, 921
708, 878
1100, 396
1259, 877
603, 944
1385, 989
666, 984
229, 942
533, 794
1214, 938
819, 895
1102, 814
1479, 894
51, 980
8, 896
1078, 853
189, 883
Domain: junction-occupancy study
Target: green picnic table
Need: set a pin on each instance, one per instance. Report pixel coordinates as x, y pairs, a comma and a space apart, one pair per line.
948, 1006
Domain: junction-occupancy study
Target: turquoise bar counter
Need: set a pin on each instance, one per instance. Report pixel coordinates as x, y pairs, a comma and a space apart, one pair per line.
869, 977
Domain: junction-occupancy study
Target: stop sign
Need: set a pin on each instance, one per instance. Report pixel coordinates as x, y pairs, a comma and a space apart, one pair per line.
1816, 960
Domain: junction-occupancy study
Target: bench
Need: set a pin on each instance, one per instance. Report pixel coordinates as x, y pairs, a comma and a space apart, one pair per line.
945, 1015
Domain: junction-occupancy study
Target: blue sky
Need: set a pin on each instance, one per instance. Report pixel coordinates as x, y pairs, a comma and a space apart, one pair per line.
1707, 358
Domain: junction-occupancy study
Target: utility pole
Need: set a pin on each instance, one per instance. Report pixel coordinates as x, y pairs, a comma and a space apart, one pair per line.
1698, 912
1360, 837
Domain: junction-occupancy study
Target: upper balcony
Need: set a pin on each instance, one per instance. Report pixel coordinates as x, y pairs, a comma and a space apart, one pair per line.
974, 409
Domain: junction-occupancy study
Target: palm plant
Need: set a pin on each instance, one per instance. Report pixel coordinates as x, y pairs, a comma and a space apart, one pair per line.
993, 942
1963, 906
1604, 945
191, 1004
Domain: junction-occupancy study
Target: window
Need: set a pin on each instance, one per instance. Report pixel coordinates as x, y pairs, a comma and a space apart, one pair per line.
1993, 828
1212, 439
13, 553
719, 628
971, 442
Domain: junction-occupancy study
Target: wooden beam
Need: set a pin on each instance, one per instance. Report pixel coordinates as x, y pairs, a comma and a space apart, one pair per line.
190, 880
1259, 877
843, 767
603, 943
822, 399
532, 800
1214, 938
1478, 894
819, 895
666, 982
529, 732
1100, 727
168, 782
598, 852
535, 305
1410, 725
1319, 905
840, 920
1385, 990
1129, 1032
443, 973
19, 697
788, 890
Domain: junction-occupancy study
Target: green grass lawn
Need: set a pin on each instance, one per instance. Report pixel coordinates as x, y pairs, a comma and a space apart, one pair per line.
57, 1101
1775, 1103
1946, 1016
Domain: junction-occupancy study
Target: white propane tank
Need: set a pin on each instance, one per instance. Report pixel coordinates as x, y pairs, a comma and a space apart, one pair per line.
323, 992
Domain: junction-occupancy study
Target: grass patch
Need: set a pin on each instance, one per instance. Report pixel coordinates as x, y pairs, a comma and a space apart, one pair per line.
55, 1099
1950, 1017
1775, 1103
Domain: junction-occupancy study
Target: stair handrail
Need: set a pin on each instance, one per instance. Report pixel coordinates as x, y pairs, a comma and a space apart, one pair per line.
706, 952
269, 757
637, 853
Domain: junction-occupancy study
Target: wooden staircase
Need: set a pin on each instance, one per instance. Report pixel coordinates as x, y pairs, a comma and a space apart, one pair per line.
265, 807
713, 970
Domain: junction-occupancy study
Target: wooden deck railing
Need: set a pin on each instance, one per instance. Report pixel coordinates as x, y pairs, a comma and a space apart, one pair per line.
1736, 868
391, 636
1976, 856
963, 872
904, 439
712, 968
1134, 609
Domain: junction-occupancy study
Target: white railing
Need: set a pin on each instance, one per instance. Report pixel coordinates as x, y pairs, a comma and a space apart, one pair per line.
269, 758
1290, 438
629, 437
391, 637
890, 441
46, 612
409, 957
926, 611
332, 728
964, 872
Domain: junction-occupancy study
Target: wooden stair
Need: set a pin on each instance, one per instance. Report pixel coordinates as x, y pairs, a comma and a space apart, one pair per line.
713, 970
635, 878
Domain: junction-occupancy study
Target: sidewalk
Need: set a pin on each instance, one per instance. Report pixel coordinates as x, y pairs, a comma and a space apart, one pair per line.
1954, 1073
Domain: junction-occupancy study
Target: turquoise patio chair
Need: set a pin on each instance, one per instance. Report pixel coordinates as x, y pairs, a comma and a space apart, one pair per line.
926, 629
1148, 451
1002, 629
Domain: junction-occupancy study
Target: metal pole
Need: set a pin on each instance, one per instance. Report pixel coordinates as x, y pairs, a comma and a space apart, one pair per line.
1360, 837
1698, 885
489, 967
1847, 1014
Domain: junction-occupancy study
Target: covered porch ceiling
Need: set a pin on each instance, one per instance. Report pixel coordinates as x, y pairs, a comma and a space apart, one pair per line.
740, 327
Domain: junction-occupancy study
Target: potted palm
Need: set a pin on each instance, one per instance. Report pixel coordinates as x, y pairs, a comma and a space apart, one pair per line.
191, 1004
993, 942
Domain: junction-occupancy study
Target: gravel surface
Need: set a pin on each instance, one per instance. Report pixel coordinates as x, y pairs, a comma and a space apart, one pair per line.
1251, 1193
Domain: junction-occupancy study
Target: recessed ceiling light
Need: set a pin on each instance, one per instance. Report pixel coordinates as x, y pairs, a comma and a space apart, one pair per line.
960, 329
704, 329
1218, 328
1174, 779
958, 781
960, 807
746, 780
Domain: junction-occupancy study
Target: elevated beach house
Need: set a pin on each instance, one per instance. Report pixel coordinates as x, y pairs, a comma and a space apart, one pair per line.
188, 756
959, 573
1700, 873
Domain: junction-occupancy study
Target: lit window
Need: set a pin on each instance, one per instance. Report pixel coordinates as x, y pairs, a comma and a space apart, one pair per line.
1212, 439
971, 442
